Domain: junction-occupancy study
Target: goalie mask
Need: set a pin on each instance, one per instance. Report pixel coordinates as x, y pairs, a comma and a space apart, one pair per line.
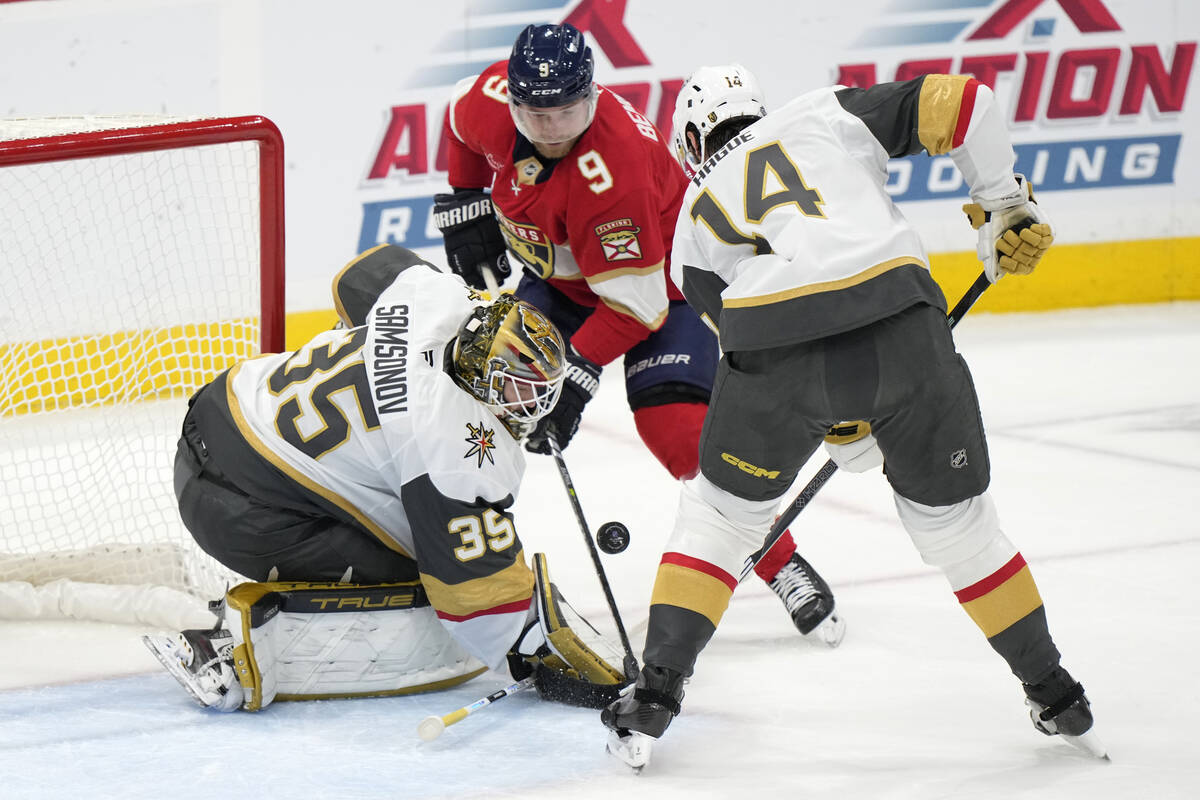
709, 97
510, 356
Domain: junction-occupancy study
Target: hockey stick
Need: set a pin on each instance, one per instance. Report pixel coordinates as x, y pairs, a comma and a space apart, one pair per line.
826, 472
630, 663
489, 278
431, 727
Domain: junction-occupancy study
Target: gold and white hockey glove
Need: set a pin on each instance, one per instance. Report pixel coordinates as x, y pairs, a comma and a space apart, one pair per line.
565, 654
852, 447
1014, 234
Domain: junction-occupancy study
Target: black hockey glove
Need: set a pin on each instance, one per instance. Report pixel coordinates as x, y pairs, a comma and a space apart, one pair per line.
582, 381
471, 235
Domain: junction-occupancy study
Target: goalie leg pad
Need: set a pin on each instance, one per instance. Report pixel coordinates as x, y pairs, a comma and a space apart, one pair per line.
310, 641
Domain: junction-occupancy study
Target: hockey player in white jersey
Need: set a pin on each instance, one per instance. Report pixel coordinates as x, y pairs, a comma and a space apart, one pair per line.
788, 242
362, 483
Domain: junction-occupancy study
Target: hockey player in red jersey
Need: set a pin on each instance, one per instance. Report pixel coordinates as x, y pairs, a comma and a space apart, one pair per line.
585, 194
827, 312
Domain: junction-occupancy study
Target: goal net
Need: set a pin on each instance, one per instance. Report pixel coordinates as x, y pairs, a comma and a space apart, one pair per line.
140, 257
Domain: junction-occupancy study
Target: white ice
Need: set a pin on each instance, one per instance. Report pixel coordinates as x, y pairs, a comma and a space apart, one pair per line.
1093, 419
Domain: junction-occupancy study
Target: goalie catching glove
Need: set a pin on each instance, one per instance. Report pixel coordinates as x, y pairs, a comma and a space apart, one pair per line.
471, 235
565, 668
1013, 232
852, 447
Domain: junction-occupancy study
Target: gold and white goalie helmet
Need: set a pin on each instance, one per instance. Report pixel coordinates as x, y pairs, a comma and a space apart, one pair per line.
510, 356
709, 97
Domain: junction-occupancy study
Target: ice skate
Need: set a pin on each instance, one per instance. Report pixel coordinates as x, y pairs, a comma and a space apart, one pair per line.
633, 748
642, 714
1058, 707
809, 601
202, 662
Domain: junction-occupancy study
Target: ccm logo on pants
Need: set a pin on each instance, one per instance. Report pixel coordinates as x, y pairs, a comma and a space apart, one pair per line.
748, 468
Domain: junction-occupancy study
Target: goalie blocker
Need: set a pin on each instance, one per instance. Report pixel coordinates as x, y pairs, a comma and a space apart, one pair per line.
314, 641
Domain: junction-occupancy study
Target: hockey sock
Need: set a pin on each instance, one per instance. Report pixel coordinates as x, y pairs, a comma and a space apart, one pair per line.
672, 434
774, 559
689, 598
988, 576
1008, 609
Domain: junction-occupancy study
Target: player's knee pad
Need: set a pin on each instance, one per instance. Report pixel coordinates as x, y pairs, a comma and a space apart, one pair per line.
964, 540
309, 641
672, 433
718, 527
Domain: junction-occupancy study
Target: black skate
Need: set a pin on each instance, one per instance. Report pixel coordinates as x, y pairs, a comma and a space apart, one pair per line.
1058, 707
643, 714
809, 600
202, 662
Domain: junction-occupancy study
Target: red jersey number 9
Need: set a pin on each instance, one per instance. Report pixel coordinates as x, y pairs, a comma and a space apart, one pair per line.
592, 167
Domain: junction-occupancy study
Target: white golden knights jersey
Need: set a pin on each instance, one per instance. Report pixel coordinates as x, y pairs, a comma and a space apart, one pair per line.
788, 234
368, 418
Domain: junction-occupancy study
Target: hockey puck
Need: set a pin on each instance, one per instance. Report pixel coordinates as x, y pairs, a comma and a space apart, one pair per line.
612, 538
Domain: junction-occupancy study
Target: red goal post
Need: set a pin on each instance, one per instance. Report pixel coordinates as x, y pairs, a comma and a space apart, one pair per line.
141, 256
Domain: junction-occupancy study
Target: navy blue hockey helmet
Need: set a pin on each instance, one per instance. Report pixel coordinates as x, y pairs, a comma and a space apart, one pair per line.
550, 65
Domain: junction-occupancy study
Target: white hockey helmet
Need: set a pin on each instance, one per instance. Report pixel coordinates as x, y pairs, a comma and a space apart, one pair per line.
710, 96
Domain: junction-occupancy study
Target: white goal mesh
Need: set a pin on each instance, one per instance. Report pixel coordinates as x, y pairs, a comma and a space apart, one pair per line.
139, 257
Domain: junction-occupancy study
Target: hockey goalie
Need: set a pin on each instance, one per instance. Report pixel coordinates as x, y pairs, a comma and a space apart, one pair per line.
363, 483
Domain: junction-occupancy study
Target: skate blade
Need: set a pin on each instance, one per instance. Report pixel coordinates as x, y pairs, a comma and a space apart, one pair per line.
1088, 743
633, 748
167, 652
830, 632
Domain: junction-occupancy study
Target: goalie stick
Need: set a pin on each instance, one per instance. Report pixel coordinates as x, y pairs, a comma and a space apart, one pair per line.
826, 472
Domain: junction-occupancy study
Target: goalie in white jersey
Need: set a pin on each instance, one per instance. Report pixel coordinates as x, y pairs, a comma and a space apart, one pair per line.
363, 481
789, 244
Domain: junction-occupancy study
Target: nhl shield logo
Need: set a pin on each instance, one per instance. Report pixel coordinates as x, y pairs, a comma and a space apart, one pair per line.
958, 459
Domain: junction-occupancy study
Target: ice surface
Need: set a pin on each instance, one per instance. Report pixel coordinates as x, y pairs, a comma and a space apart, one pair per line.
1093, 419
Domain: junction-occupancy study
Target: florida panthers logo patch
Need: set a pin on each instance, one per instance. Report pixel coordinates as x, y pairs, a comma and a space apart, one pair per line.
530, 244
482, 441
618, 240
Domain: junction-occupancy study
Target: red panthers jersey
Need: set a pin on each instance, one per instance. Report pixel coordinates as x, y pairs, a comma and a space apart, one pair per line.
597, 224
